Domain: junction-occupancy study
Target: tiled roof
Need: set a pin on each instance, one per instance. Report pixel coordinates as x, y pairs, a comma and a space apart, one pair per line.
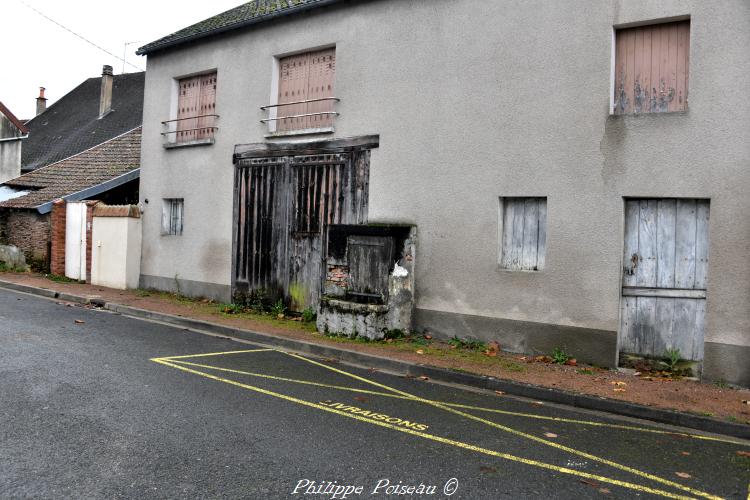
249, 13
88, 169
72, 124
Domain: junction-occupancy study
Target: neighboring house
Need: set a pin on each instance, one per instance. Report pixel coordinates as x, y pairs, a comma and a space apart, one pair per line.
90, 114
85, 146
577, 179
12, 133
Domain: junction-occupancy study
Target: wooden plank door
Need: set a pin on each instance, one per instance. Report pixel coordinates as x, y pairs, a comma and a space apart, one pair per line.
283, 207
665, 275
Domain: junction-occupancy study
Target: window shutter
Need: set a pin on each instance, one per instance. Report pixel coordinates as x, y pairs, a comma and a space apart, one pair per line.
321, 83
524, 233
651, 68
292, 88
304, 77
207, 106
187, 106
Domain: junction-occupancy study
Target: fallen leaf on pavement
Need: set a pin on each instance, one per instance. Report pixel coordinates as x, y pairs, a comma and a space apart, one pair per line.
78, 321
487, 469
423, 377
500, 393
538, 403
550, 434
606, 491
686, 453
361, 399
590, 483
683, 475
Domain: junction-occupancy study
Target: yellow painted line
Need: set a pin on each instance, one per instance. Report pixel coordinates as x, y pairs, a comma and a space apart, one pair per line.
215, 354
466, 407
515, 432
284, 379
451, 442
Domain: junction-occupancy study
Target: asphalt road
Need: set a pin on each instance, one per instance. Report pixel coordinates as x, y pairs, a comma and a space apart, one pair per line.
114, 407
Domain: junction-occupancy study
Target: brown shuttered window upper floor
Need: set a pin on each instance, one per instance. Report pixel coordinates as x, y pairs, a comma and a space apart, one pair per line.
196, 108
651, 68
306, 91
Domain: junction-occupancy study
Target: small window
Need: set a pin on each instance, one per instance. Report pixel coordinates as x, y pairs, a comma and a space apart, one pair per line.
171, 217
196, 108
523, 230
651, 68
306, 91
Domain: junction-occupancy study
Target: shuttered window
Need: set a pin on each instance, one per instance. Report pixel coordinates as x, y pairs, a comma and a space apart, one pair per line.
196, 108
524, 233
307, 80
171, 217
651, 68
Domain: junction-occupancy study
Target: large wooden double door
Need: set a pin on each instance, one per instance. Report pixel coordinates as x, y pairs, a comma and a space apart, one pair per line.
283, 207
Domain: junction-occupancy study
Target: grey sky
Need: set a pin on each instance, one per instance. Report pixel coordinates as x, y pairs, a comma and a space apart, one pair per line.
37, 53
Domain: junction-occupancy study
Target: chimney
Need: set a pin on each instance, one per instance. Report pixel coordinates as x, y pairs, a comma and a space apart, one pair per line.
41, 102
105, 97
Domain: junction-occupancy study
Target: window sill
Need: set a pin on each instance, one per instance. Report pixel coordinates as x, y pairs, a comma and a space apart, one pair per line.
649, 113
502, 269
199, 142
307, 131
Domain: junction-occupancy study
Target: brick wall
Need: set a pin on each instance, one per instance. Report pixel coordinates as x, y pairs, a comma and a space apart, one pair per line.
29, 231
57, 235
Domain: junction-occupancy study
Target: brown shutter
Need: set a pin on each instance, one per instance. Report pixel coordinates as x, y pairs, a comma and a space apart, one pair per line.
321, 82
292, 88
207, 106
187, 105
197, 98
303, 77
651, 68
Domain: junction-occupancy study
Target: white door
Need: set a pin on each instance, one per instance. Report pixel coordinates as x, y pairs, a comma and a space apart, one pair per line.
75, 241
665, 276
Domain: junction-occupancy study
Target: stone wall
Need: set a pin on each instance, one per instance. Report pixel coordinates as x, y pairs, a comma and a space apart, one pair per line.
29, 231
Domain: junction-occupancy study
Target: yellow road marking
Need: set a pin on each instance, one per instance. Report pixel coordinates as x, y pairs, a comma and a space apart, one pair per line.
216, 354
518, 433
465, 407
458, 444
284, 379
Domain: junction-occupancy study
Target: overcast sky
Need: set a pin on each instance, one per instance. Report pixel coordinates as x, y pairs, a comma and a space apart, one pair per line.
37, 53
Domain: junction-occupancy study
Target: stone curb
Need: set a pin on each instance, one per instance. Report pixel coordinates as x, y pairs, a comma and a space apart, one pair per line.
413, 369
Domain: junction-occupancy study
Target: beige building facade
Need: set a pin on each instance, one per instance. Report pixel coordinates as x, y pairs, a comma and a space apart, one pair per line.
490, 114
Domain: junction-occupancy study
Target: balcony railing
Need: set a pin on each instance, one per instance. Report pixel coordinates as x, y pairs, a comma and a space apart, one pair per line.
308, 114
199, 128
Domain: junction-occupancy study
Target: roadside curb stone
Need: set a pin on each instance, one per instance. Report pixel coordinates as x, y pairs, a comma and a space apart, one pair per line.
531, 391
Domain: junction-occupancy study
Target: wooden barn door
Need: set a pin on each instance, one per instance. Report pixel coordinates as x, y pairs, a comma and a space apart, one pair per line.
283, 207
665, 277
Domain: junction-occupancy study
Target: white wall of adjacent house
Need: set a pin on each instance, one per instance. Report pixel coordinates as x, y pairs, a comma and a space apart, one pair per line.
116, 252
75, 240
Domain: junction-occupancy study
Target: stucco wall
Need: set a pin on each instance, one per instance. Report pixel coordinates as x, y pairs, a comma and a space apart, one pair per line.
116, 252
10, 159
474, 100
